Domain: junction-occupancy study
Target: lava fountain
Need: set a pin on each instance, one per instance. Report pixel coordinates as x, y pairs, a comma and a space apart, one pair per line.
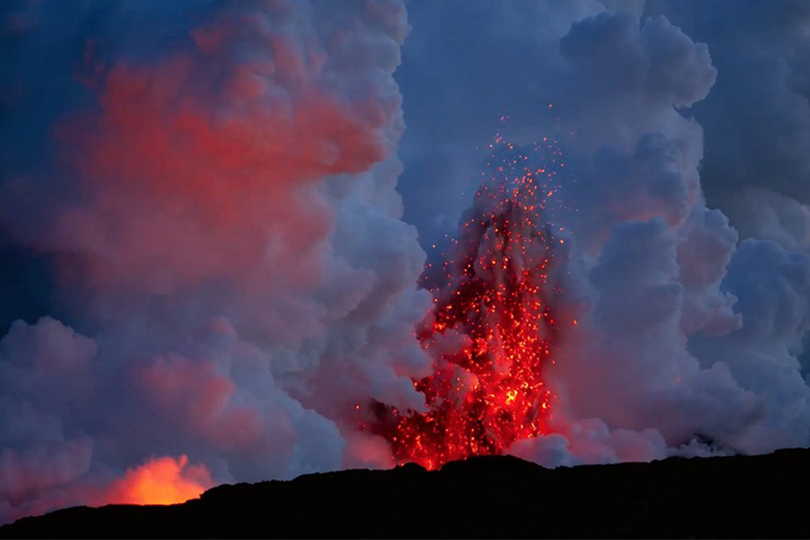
493, 298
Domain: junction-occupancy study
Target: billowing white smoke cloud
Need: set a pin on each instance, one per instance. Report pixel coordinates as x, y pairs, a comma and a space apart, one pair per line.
757, 117
682, 345
673, 295
215, 185
219, 198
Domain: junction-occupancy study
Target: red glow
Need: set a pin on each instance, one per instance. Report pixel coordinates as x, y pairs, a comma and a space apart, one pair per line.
198, 167
490, 392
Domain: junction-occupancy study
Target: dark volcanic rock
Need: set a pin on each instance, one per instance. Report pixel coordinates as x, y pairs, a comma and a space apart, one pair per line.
495, 497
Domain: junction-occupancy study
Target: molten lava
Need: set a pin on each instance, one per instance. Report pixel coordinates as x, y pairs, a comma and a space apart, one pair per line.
163, 480
488, 391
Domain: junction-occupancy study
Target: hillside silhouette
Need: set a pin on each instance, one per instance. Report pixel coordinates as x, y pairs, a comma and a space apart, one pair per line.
495, 497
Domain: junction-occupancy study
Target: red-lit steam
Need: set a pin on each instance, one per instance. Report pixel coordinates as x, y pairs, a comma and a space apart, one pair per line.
203, 164
488, 391
195, 208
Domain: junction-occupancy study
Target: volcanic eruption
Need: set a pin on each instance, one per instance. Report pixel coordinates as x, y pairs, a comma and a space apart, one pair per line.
493, 300
213, 221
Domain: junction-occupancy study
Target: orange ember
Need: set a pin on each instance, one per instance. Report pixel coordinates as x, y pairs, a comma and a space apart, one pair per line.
489, 391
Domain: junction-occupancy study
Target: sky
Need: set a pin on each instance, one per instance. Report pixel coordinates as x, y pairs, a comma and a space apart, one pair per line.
214, 217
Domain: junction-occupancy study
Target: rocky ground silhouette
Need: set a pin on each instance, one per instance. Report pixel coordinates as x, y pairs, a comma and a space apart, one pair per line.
494, 497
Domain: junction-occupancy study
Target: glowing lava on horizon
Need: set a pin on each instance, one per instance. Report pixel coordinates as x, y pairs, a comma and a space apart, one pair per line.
493, 301
164, 480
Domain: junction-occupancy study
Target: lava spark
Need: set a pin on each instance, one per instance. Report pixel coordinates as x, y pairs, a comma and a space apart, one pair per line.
494, 296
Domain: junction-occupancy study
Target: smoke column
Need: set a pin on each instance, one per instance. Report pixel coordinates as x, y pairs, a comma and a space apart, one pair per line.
213, 186
687, 340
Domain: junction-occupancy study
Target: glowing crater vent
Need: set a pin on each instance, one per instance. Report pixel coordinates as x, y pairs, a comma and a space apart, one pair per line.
164, 480
491, 331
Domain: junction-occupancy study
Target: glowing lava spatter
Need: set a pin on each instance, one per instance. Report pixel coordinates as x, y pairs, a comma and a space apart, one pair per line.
488, 392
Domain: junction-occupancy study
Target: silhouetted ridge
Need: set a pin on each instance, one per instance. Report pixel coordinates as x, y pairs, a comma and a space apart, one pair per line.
491, 496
